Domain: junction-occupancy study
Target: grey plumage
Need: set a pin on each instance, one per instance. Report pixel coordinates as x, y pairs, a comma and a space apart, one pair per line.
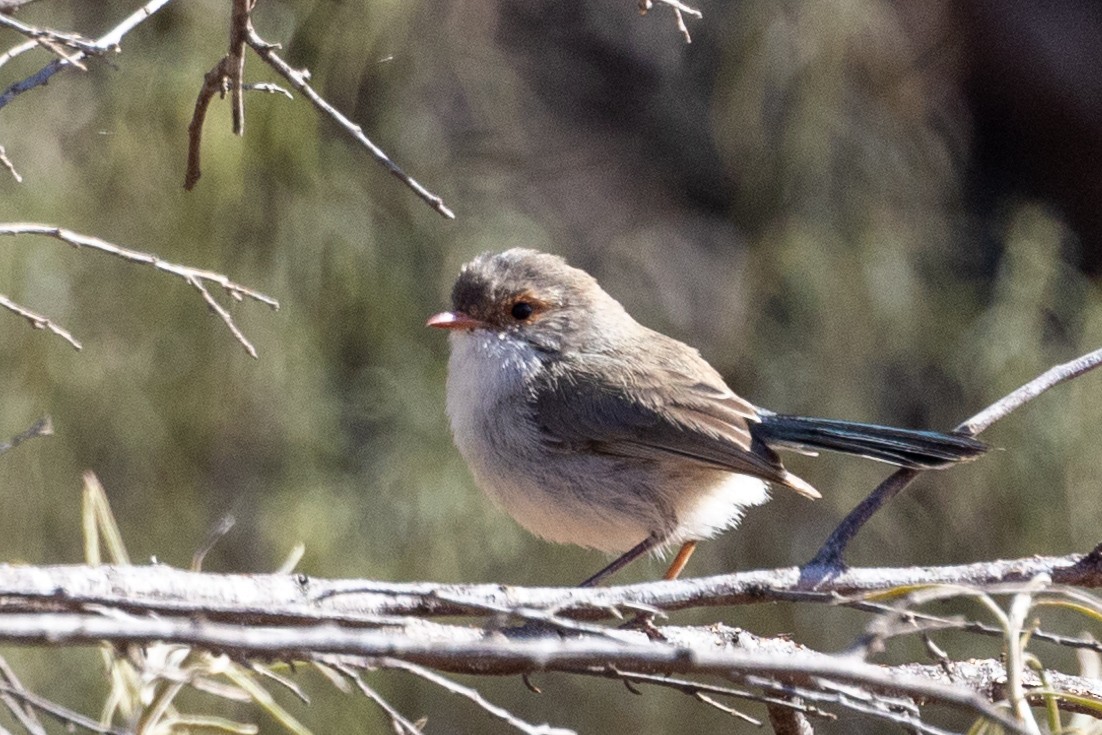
592, 429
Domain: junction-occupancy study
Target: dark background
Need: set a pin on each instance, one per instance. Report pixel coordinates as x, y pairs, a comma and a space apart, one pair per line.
873, 210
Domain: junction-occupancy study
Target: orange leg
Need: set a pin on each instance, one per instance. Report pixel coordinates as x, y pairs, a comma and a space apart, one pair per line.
680, 560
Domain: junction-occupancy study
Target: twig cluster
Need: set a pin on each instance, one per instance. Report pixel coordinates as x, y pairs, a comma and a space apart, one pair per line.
228, 74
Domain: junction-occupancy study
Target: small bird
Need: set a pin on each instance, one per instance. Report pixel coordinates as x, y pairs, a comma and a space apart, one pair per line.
589, 428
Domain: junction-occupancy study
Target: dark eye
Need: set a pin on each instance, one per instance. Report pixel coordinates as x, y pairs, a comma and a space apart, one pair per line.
522, 310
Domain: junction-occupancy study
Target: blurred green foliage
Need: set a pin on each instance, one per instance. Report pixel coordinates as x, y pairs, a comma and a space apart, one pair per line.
787, 193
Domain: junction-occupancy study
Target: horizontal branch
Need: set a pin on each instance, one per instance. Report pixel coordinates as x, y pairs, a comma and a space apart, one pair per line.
285, 598
378, 624
476, 651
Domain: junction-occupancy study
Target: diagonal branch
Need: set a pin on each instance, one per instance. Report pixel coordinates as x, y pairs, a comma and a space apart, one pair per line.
40, 322
830, 557
299, 80
195, 277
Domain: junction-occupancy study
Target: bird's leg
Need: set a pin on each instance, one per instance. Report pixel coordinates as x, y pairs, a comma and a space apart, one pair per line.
628, 557
680, 560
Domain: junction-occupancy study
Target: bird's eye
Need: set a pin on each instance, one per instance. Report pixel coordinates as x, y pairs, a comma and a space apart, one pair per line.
522, 310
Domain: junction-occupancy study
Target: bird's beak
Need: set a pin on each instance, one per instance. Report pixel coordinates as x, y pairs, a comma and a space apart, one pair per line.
454, 320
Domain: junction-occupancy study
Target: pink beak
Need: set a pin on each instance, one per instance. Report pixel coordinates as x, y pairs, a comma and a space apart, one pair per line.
453, 320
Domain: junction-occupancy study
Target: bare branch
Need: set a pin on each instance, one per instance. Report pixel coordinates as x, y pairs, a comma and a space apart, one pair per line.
43, 427
20, 710
299, 80
680, 10
830, 556
102, 45
275, 598
294, 617
40, 322
6, 163
227, 75
197, 278
496, 654
475, 696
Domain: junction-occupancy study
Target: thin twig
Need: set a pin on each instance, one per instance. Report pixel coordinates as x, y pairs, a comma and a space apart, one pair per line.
475, 696
680, 10
195, 277
20, 710
695, 688
105, 43
17, 50
240, 23
400, 723
6, 163
71, 40
830, 557
58, 712
299, 80
43, 427
728, 710
267, 87
39, 322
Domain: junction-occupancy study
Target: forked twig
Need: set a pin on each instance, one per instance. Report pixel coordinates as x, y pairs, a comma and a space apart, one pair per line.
680, 10
102, 45
227, 75
196, 277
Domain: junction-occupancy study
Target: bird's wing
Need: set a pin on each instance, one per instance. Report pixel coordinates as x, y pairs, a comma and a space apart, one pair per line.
659, 413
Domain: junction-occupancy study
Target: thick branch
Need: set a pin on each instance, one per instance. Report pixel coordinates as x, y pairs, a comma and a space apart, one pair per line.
283, 598
480, 652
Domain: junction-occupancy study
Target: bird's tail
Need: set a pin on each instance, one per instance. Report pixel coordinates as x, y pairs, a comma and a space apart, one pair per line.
913, 448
